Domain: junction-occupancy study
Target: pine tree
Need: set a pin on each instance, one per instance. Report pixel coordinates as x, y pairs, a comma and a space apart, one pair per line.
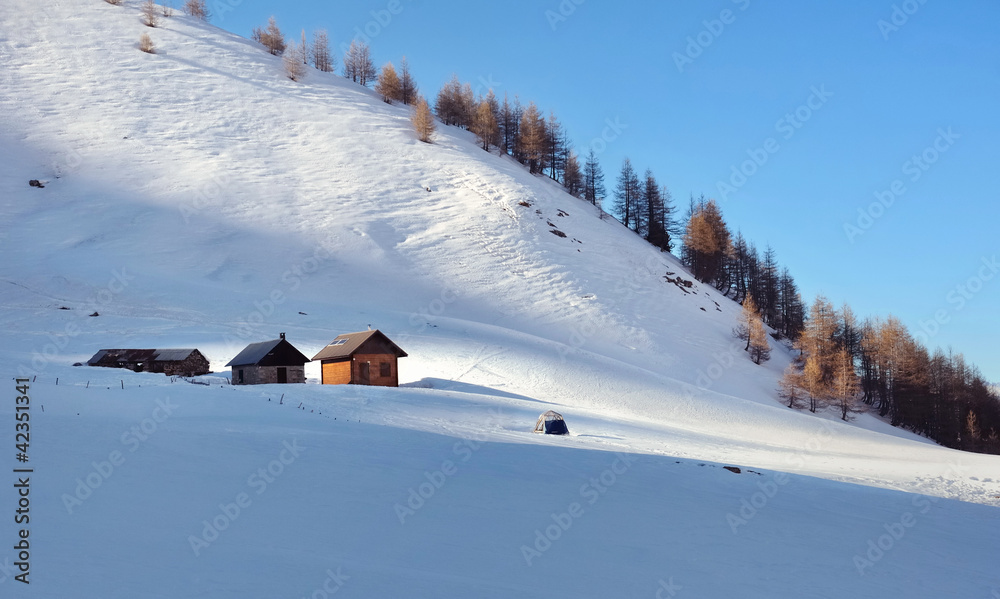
388, 84
322, 59
572, 177
407, 87
423, 120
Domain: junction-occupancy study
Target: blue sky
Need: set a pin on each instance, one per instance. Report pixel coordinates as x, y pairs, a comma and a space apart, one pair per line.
832, 103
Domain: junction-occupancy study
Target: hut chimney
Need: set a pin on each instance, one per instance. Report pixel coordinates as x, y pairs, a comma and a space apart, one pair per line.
282, 335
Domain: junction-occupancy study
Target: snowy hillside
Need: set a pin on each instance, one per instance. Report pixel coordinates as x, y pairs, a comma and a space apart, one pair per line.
198, 198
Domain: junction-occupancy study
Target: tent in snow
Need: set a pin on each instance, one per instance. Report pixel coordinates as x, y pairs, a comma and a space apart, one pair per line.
551, 423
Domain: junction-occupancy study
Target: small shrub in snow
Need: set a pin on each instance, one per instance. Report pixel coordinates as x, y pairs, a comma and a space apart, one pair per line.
146, 44
150, 14
115, 2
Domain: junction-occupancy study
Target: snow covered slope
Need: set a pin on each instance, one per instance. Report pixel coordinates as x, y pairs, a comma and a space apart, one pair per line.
198, 198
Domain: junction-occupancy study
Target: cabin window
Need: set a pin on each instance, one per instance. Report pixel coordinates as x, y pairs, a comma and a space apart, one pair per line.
385, 369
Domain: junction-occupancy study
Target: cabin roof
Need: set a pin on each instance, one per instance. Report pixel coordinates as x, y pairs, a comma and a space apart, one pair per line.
134, 356
279, 351
348, 344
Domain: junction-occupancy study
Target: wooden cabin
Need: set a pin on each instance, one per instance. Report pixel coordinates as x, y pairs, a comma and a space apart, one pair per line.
268, 362
365, 358
172, 362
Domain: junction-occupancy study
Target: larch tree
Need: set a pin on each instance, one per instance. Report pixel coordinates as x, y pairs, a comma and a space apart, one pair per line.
760, 349
291, 58
407, 86
532, 138
423, 120
358, 65
270, 37
150, 14
816, 388
747, 318
573, 176
555, 147
845, 383
593, 180
448, 105
197, 9
791, 387
509, 121
484, 126
708, 244
627, 191
322, 59
388, 85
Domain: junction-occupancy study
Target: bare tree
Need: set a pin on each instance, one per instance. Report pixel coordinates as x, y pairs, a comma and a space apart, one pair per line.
407, 87
322, 59
295, 68
423, 120
197, 9
150, 15
167, 9
573, 176
358, 65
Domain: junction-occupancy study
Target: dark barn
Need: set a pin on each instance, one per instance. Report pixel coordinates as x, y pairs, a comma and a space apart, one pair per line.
267, 362
172, 362
365, 358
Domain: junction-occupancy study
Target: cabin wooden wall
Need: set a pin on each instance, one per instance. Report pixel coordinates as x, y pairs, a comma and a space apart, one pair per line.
346, 372
375, 372
337, 373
